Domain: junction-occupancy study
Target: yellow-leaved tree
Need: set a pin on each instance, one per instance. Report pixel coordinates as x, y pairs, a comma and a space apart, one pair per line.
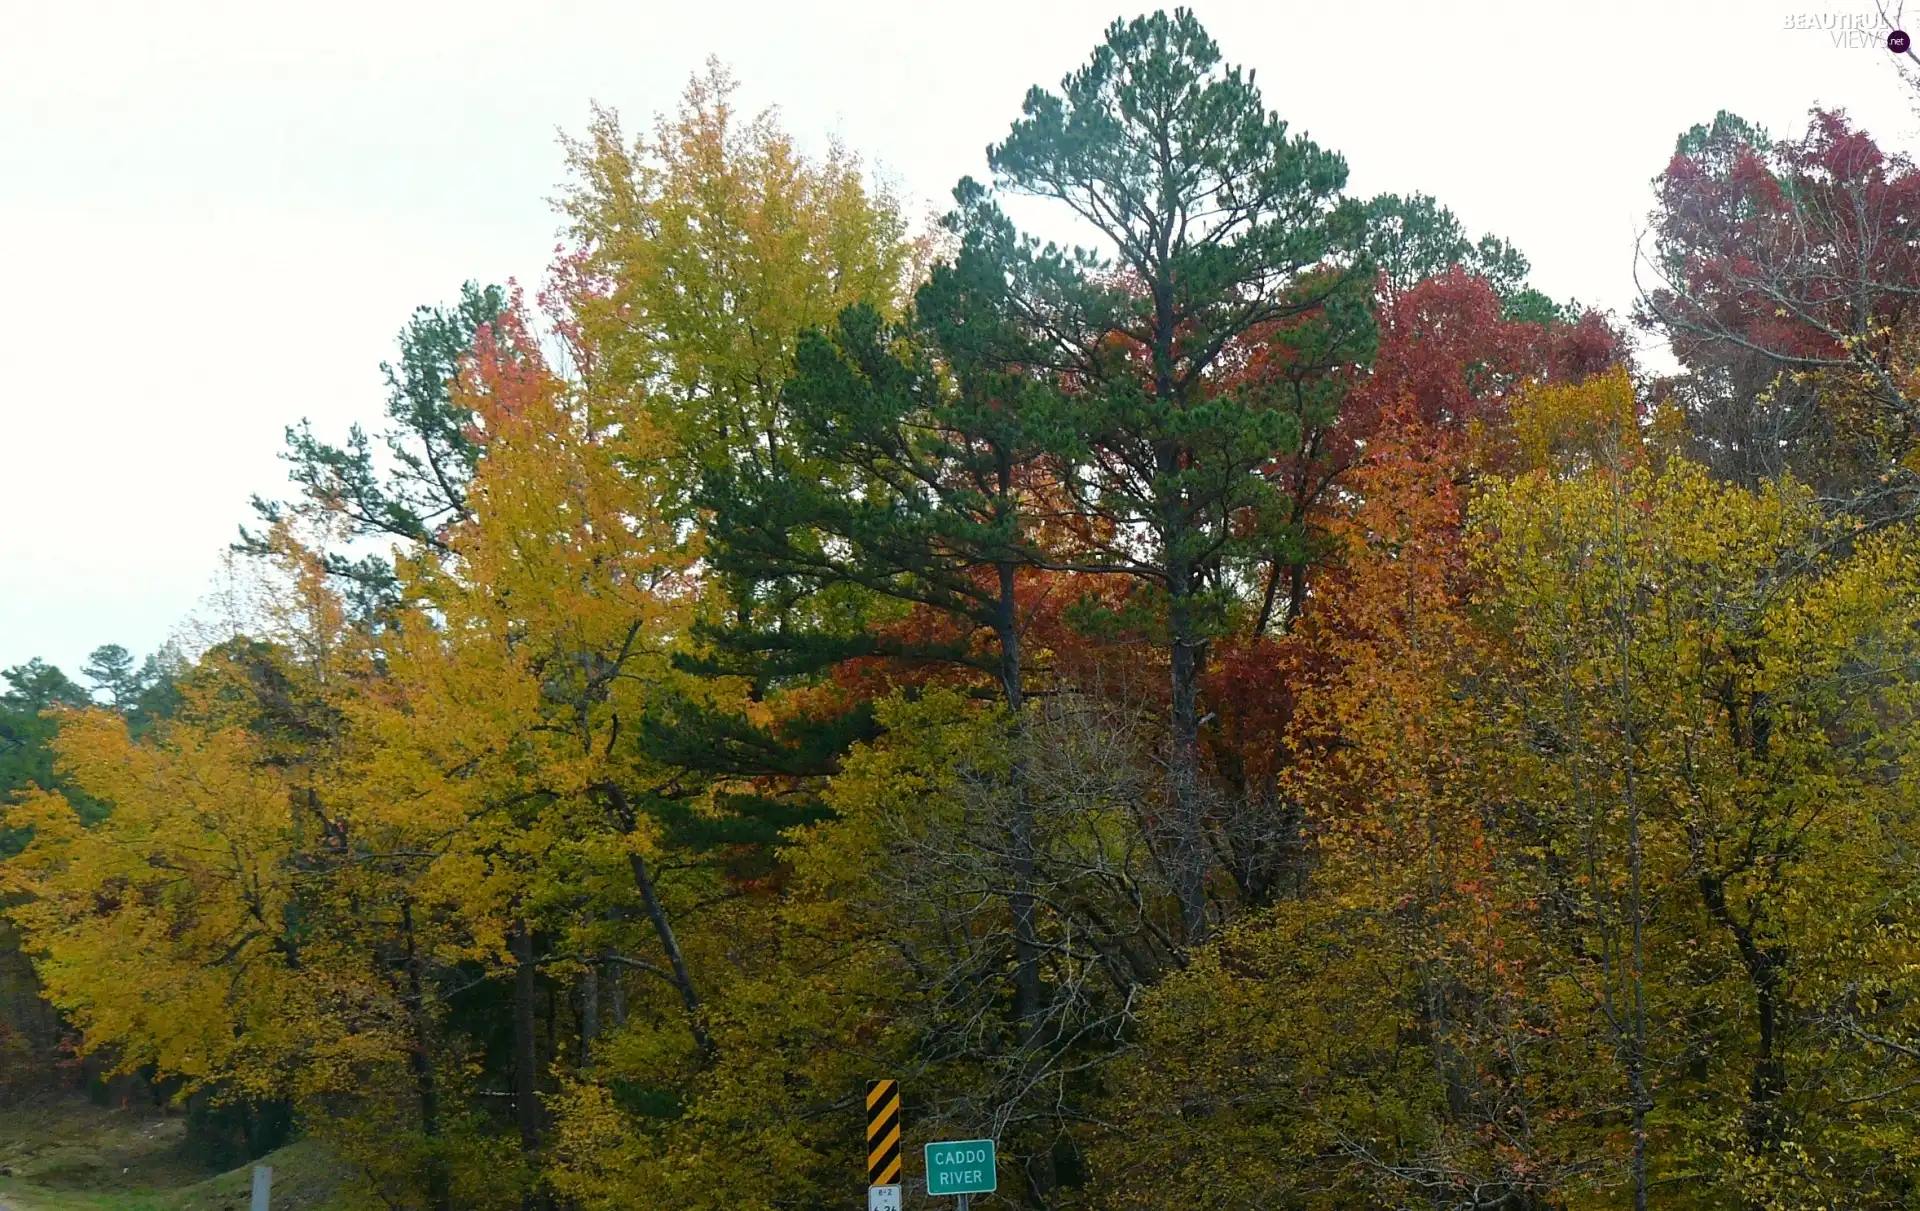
1699, 756
225, 925
1607, 907
701, 252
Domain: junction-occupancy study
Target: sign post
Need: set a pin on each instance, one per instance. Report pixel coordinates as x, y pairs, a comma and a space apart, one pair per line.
883, 1146
963, 1168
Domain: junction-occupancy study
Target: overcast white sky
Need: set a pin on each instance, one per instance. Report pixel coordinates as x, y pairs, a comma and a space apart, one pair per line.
214, 216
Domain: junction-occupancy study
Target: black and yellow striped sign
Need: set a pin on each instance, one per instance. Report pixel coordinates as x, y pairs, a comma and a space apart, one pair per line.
883, 1133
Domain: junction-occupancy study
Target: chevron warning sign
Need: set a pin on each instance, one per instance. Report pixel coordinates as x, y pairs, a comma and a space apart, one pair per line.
883, 1133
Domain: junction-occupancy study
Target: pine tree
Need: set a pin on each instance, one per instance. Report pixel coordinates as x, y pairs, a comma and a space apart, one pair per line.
1217, 225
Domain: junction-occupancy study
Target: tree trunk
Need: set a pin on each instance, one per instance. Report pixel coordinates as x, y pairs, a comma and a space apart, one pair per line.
1189, 857
662, 928
1636, 863
1026, 938
617, 1001
682, 979
526, 1096
420, 1062
1767, 1075
1296, 594
589, 1012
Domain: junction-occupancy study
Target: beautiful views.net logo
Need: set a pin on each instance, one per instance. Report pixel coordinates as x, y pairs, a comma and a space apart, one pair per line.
1851, 31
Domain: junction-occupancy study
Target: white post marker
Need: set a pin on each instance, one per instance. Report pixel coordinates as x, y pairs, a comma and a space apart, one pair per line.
883, 1198
262, 1186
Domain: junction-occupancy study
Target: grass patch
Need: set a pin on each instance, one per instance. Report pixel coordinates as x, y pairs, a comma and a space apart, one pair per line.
66, 1154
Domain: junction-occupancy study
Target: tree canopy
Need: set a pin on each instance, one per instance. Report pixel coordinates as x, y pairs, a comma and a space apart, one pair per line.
1261, 707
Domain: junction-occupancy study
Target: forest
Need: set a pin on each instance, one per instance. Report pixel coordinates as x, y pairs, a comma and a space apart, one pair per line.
1259, 707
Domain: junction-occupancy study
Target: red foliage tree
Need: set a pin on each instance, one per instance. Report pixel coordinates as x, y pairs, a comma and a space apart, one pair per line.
1789, 273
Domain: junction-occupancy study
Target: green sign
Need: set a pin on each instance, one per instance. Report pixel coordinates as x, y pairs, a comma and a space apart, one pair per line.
961, 1167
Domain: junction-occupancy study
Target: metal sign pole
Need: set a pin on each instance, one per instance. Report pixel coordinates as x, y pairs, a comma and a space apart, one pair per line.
964, 1200
883, 1146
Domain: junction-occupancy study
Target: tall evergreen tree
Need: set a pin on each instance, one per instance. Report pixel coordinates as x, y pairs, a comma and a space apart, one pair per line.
935, 509
26, 760
429, 451
1414, 238
1219, 227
